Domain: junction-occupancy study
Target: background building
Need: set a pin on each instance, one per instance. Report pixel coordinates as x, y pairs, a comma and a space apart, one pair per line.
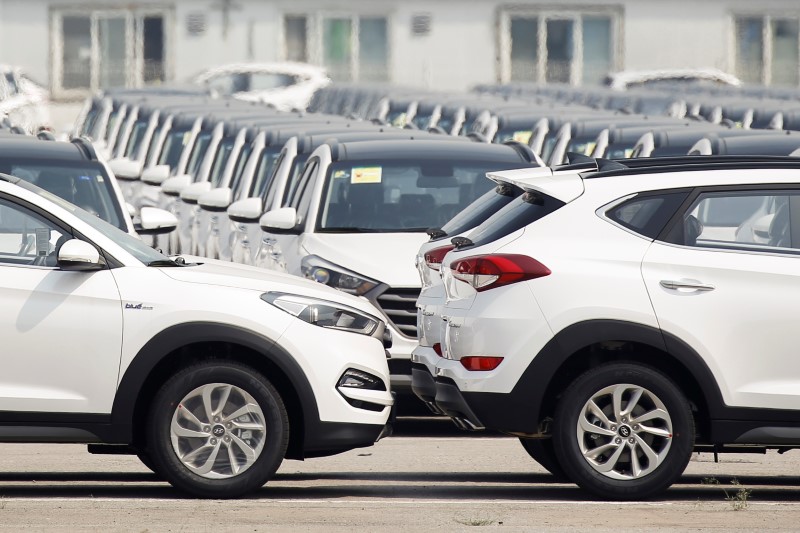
77, 46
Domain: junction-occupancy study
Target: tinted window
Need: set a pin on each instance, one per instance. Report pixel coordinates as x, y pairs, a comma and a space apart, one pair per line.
84, 184
198, 151
480, 210
173, 147
647, 214
265, 171
220, 161
403, 195
135, 140
745, 220
238, 171
523, 210
26, 238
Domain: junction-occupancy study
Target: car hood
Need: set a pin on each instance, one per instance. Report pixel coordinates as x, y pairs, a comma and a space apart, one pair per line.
384, 257
224, 274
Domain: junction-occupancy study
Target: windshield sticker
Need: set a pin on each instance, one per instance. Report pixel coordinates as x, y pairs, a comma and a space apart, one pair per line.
100, 178
186, 137
400, 121
628, 152
522, 136
366, 175
341, 174
589, 148
42, 241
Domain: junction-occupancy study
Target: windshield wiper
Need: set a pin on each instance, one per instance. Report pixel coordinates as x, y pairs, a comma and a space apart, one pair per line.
165, 263
436, 233
461, 242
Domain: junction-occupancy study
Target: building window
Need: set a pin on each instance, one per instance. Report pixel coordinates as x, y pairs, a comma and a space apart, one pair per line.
558, 47
767, 49
110, 48
350, 47
296, 36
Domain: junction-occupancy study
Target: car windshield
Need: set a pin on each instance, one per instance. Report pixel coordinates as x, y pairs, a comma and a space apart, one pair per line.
173, 147
401, 196
238, 171
522, 135
129, 243
220, 161
265, 170
85, 184
135, 140
112, 121
198, 151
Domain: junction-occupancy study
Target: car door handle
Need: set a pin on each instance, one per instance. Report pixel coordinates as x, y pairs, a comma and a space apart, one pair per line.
686, 284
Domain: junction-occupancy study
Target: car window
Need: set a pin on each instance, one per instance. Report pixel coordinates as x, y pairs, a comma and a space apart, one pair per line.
198, 151
173, 147
265, 81
481, 209
743, 220
83, 184
647, 214
265, 171
135, 140
300, 197
520, 212
401, 195
224, 149
26, 238
294, 176
238, 171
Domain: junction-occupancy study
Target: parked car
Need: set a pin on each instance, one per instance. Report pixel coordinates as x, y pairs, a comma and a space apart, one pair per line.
360, 212
285, 86
212, 373
601, 313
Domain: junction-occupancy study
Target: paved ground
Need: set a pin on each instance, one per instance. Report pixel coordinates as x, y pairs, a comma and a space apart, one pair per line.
428, 477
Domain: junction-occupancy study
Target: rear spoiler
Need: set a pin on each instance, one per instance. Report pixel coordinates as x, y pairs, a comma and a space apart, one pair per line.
561, 185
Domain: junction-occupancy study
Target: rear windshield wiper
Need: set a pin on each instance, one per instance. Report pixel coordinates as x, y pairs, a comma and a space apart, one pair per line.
436, 233
461, 242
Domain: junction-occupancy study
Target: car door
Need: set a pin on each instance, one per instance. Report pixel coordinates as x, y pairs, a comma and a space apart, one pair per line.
61, 331
726, 280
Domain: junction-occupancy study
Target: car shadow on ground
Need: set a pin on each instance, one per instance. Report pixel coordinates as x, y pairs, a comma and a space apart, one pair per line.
386, 486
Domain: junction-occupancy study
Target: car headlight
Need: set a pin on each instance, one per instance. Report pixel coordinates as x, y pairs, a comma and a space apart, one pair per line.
315, 268
323, 313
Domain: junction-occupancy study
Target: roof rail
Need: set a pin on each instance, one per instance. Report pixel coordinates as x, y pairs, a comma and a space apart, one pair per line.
697, 162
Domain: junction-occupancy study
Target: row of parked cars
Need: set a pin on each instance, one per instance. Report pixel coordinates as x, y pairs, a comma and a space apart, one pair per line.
584, 305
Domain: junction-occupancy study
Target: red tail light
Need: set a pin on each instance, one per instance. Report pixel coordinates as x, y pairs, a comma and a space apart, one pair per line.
484, 272
481, 363
433, 258
438, 349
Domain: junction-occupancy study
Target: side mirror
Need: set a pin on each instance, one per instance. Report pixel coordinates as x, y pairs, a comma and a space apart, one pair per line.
79, 255
282, 219
155, 221
156, 175
247, 210
191, 193
174, 185
125, 169
216, 199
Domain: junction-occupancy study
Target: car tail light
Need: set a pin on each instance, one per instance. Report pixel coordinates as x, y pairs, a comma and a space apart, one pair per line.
484, 272
438, 349
481, 363
434, 258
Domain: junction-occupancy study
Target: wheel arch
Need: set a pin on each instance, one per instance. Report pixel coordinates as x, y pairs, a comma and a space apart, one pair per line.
584, 345
182, 344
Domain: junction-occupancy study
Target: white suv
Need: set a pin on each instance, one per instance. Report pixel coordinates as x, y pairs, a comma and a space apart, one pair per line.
626, 316
212, 373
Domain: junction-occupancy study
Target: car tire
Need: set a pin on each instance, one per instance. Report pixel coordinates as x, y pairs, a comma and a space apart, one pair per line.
217, 430
603, 449
147, 461
543, 452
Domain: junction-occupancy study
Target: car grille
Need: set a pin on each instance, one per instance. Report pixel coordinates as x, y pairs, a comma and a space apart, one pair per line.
400, 305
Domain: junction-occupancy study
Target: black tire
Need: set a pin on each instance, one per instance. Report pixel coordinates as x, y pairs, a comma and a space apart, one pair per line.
147, 461
674, 444
543, 452
244, 381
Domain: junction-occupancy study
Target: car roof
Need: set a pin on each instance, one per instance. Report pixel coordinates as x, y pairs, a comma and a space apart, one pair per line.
424, 149
32, 148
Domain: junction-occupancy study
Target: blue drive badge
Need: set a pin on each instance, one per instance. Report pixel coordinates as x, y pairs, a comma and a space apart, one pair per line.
42, 241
